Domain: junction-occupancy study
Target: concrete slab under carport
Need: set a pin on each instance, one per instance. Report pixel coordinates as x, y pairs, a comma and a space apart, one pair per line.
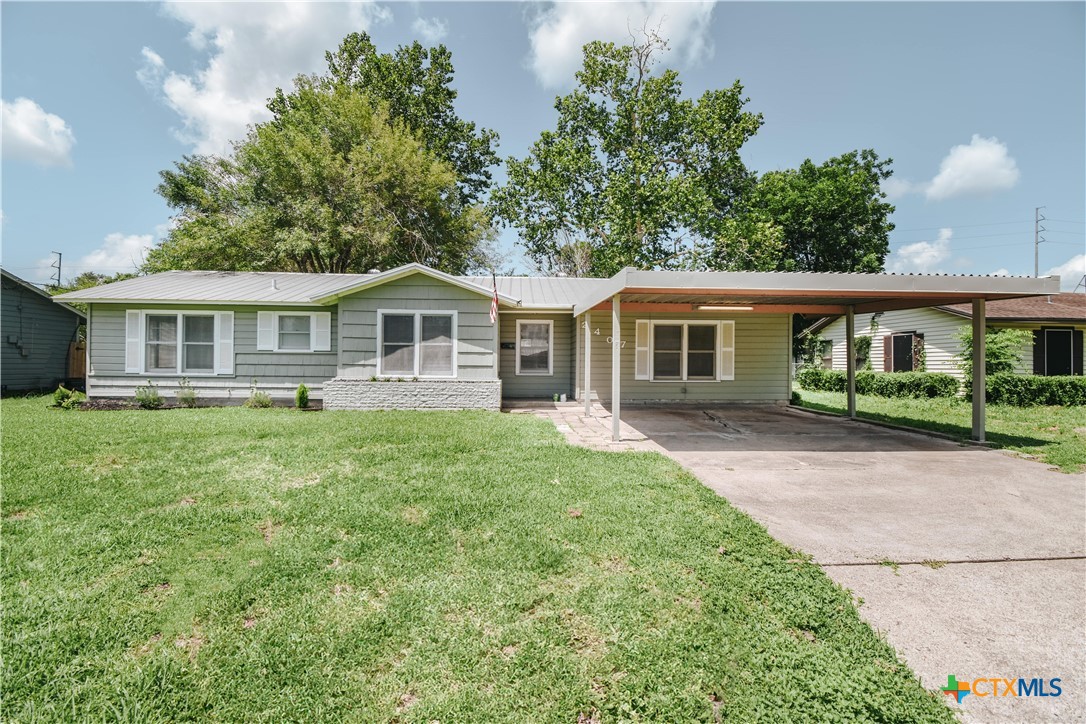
857, 497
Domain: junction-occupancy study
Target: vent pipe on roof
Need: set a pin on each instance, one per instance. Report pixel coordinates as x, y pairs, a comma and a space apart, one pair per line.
274, 285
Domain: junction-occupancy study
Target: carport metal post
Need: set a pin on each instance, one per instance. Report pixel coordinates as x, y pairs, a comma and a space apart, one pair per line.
616, 366
979, 383
850, 355
587, 364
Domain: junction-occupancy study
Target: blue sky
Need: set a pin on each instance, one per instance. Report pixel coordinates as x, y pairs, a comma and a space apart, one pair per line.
982, 106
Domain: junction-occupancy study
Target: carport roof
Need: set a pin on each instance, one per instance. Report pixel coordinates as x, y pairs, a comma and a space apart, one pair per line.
815, 293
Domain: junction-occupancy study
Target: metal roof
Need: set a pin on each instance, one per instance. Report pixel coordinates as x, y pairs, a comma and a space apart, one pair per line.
212, 287
542, 292
821, 292
866, 292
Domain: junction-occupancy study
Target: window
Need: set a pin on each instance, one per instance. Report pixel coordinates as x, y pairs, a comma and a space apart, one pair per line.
826, 353
161, 354
199, 344
295, 332
417, 344
691, 351
903, 352
172, 343
1057, 351
534, 342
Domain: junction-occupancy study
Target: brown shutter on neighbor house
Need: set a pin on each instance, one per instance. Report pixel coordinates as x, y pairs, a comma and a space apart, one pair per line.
918, 351
1038, 351
1076, 352
888, 353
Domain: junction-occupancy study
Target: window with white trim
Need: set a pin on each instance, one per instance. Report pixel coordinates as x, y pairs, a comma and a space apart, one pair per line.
172, 343
693, 350
295, 332
416, 344
535, 340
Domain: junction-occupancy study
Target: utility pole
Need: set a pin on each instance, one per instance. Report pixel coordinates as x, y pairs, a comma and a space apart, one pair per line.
1038, 217
55, 279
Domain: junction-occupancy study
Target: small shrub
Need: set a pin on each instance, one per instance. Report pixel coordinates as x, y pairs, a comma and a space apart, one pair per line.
74, 400
258, 399
148, 397
61, 396
797, 399
916, 385
1008, 388
186, 394
816, 378
301, 396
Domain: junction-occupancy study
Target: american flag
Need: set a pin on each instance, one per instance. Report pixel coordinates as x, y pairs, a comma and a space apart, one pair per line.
494, 300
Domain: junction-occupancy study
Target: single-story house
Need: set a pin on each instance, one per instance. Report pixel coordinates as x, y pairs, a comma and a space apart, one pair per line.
416, 337
40, 338
1057, 322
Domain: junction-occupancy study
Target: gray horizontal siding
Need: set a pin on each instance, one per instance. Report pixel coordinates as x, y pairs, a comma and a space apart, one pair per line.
40, 333
271, 368
474, 331
762, 353
516, 386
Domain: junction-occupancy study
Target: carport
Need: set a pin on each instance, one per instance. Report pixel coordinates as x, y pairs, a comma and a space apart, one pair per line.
644, 293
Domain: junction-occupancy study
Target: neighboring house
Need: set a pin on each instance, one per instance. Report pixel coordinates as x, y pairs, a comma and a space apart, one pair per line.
39, 338
419, 338
905, 340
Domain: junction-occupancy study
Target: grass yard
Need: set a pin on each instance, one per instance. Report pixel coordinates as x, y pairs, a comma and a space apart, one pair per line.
1055, 435
236, 564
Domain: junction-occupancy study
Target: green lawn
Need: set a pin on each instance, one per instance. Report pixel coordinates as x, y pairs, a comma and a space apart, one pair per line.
1055, 435
273, 565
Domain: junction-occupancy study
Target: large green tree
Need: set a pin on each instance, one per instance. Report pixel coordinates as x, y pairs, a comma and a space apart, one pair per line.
831, 217
634, 174
415, 84
331, 183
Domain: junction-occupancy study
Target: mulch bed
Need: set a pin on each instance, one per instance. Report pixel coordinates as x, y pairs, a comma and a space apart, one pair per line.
114, 403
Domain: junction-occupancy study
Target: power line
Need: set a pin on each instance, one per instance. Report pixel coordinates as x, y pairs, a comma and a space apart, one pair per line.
962, 226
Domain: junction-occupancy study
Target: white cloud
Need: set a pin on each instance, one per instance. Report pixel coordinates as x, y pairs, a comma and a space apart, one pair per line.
430, 30
118, 253
999, 273
895, 188
560, 31
979, 168
922, 257
32, 134
1070, 272
254, 48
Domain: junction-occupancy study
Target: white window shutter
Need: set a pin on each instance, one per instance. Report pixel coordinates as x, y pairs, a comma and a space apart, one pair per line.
727, 350
265, 331
322, 325
132, 334
641, 350
225, 351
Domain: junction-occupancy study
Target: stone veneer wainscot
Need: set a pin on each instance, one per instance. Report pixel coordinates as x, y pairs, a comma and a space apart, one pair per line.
346, 393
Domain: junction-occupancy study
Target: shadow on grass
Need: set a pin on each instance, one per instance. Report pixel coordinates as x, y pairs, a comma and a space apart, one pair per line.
959, 432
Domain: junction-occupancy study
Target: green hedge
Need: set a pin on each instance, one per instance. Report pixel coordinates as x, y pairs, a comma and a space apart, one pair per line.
881, 384
1008, 388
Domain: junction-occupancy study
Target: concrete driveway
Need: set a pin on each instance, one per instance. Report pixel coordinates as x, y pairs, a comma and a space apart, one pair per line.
988, 551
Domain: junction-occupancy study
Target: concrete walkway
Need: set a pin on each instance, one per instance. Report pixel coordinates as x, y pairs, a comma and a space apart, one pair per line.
972, 562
